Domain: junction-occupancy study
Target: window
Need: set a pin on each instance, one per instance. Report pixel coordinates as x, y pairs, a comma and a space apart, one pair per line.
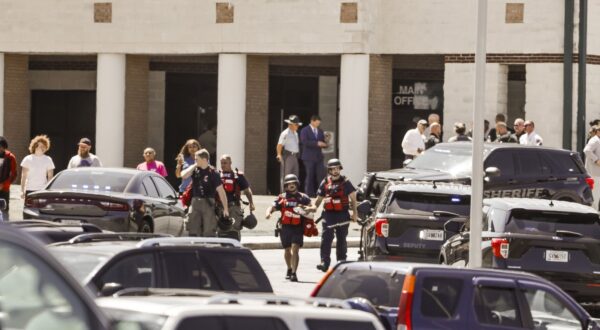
440, 296
185, 270
566, 163
529, 164
231, 322
34, 296
503, 160
497, 306
544, 223
133, 271
92, 180
164, 189
548, 312
150, 188
322, 324
238, 270
424, 203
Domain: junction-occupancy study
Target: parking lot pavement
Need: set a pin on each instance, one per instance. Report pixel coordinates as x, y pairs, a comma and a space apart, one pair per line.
308, 276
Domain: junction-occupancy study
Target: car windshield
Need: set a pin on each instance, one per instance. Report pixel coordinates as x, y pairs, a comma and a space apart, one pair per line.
91, 180
452, 160
379, 287
415, 203
79, 264
539, 222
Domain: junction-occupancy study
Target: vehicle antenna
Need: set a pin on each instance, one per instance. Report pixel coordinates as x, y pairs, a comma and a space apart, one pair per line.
551, 204
434, 186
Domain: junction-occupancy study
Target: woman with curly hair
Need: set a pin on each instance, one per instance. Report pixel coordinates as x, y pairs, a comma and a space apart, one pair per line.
37, 168
185, 159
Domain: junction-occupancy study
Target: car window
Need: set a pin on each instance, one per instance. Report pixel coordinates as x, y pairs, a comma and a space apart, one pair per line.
324, 324
149, 186
548, 312
425, 203
503, 160
565, 163
529, 164
134, 271
497, 306
164, 189
447, 158
34, 296
185, 270
80, 263
239, 271
379, 287
440, 296
230, 322
544, 223
91, 180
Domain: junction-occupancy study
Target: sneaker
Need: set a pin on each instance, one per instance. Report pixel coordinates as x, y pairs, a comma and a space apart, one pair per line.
323, 267
293, 277
288, 275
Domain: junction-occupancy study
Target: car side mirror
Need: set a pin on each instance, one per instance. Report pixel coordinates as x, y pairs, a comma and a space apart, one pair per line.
491, 172
454, 225
365, 207
109, 289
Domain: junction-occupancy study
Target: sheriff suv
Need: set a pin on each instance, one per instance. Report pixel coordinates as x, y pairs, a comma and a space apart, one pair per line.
559, 241
408, 221
512, 170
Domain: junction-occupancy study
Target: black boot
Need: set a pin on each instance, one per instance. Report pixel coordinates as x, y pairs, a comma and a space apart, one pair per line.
293, 277
288, 275
323, 267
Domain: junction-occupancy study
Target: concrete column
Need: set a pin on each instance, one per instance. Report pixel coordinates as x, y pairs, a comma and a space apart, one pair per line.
110, 109
354, 115
231, 103
1, 93
544, 101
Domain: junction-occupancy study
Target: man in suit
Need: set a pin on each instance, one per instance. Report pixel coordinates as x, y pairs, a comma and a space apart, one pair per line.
592, 161
313, 140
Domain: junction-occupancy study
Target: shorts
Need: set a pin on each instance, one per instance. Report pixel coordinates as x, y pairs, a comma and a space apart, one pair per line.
291, 234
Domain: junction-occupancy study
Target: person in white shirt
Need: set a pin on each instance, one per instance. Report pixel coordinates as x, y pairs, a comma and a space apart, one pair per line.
592, 161
414, 140
37, 168
530, 138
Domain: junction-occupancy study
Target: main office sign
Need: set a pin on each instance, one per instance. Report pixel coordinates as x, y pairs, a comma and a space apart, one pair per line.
418, 95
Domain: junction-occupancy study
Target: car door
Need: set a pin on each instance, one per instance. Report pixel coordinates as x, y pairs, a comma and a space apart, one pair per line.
169, 197
497, 305
157, 207
503, 184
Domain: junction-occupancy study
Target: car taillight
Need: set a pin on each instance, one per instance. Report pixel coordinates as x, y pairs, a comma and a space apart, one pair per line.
500, 247
321, 282
111, 206
35, 202
590, 182
404, 321
382, 227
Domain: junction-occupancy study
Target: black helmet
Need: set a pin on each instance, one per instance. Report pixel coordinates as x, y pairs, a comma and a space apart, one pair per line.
291, 178
249, 221
333, 162
225, 223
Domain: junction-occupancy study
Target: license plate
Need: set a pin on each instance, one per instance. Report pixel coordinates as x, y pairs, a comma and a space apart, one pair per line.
431, 235
70, 222
557, 256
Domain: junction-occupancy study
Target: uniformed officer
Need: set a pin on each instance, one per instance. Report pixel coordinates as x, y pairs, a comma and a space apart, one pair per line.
234, 184
206, 183
290, 204
337, 194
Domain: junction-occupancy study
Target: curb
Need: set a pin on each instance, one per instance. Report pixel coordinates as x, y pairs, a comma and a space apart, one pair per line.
274, 244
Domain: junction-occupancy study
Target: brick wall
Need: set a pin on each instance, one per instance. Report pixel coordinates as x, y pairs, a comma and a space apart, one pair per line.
17, 112
380, 112
136, 109
257, 116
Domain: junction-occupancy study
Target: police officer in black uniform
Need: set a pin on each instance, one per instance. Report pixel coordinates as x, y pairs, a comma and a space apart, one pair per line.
337, 194
234, 184
291, 205
206, 183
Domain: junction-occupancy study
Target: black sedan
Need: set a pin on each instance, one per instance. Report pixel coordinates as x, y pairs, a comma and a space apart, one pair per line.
115, 199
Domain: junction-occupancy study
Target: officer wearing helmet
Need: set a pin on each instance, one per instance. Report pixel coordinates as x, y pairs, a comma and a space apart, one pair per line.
338, 195
291, 204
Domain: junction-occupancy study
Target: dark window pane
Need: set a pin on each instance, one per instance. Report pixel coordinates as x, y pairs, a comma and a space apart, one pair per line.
439, 297
92, 180
164, 189
150, 188
403, 202
540, 222
202, 322
239, 271
184, 270
378, 287
498, 306
136, 271
321, 324
529, 164
564, 162
503, 160
231, 323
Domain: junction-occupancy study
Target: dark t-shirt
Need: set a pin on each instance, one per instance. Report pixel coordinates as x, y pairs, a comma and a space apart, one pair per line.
348, 189
240, 181
205, 182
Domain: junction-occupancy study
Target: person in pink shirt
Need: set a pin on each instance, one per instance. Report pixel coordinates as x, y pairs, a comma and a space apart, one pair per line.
151, 164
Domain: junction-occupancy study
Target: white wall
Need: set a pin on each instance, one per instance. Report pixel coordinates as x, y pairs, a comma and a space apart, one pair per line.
544, 101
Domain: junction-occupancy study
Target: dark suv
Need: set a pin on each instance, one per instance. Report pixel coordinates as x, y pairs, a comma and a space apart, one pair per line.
559, 241
524, 171
408, 221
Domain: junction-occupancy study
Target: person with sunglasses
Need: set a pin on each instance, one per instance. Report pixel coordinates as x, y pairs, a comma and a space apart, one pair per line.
530, 138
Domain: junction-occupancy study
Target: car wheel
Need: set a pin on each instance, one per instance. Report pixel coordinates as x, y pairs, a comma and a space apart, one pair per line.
146, 227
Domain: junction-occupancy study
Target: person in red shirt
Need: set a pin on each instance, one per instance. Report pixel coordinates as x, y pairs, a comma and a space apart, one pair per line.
8, 173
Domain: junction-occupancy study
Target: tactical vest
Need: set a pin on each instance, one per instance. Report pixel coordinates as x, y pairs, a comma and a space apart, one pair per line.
335, 198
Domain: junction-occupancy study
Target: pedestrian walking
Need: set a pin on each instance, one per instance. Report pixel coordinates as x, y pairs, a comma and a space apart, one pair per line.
37, 168
519, 128
503, 135
435, 135
151, 164
413, 142
338, 195
291, 204
592, 162
234, 183
206, 184
8, 174
185, 159
288, 146
84, 157
460, 130
530, 138
312, 140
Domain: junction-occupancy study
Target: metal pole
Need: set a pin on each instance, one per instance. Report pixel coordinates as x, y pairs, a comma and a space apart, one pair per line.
568, 76
582, 85
477, 164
